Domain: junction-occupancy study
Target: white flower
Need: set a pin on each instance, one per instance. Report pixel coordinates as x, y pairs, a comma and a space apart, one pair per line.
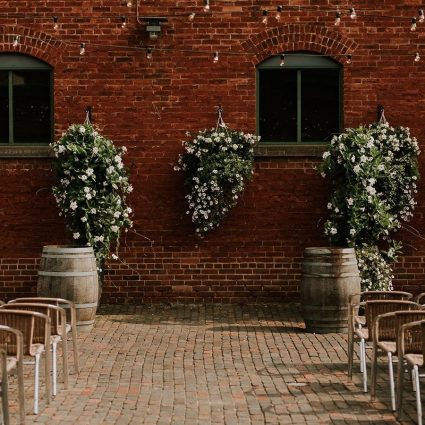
372, 181
333, 231
130, 188
381, 167
61, 148
95, 150
371, 190
83, 177
117, 214
363, 158
82, 130
88, 196
76, 235
336, 210
93, 211
83, 219
115, 229
89, 171
73, 205
350, 201
114, 256
323, 174
357, 168
326, 154
129, 210
86, 189
329, 206
352, 232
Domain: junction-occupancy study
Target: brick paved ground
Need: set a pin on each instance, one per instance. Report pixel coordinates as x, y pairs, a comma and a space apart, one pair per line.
212, 365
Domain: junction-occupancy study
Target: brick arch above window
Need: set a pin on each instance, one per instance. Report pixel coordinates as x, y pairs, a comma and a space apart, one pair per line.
39, 45
298, 37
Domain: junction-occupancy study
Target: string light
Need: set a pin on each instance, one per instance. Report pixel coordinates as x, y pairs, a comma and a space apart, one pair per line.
417, 57
16, 40
265, 19
82, 49
149, 53
337, 18
282, 60
215, 57
191, 17
123, 22
421, 15
279, 13
55, 23
413, 25
353, 14
206, 5
348, 60
129, 3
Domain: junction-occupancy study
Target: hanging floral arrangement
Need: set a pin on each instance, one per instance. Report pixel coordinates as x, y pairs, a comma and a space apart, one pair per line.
217, 164
374, 175
91, 187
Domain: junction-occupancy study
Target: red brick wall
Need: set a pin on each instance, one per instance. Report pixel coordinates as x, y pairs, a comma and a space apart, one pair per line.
149, 105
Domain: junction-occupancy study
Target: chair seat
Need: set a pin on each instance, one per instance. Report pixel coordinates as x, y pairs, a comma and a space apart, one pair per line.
362, 333
67, 328
36, 349
55, 339
388, 346
415, 359
360, 320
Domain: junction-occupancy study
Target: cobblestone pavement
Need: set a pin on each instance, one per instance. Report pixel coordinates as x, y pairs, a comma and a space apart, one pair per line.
211, 365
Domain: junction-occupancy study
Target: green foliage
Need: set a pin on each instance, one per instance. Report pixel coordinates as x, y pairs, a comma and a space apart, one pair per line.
91, 187
217, 164
374, 175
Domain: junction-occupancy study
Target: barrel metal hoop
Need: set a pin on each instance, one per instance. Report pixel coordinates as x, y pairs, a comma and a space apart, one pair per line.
51, 249
87, 322
67, 274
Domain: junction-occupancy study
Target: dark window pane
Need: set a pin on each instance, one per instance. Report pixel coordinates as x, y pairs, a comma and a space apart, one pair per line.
31, 106
4, 107
278, 105
319, 104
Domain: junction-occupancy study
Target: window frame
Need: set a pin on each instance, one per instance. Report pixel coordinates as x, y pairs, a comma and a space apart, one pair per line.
299, 61
11, 62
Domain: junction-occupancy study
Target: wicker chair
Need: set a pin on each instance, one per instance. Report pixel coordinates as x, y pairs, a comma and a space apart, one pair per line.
35, 328
386, 331
411, 341
57, 317
11, 350
356, 320
373, 309
420, 299
71, 325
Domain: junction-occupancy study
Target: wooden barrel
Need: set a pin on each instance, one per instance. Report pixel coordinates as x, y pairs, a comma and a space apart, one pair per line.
329, 277
70, 272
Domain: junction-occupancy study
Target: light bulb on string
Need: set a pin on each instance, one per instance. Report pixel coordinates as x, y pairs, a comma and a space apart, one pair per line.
265, 19
149, 53
206, 5
417, 57
16, 40
55, 23
348, 60
421, 16
353, 14
82, 49
282, 60
337, 18
215, 57
123, 22
191, 17
129, 3
413, 24
279, 13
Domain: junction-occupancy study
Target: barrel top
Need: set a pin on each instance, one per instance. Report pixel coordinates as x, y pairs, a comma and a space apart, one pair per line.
67, 249
328, 250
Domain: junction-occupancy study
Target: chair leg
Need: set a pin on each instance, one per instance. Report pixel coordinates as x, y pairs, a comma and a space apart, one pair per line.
364, 366
391, 374
47, 374
361, 351
54, 369
400, 387
21, 393
5, 398
65, 362
350, 354
75, 348
373, 370
36, 382
418, 394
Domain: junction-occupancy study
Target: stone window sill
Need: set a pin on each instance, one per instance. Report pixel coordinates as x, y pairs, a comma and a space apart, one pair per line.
290, 150
13, 151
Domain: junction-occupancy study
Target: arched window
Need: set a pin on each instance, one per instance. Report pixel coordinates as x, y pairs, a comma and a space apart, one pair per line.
299, 101
25, 100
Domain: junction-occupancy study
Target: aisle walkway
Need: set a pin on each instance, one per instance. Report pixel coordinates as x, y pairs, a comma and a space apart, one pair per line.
187, 365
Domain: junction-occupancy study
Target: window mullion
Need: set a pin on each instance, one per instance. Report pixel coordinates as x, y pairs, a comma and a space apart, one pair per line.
299, 106
10, 86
